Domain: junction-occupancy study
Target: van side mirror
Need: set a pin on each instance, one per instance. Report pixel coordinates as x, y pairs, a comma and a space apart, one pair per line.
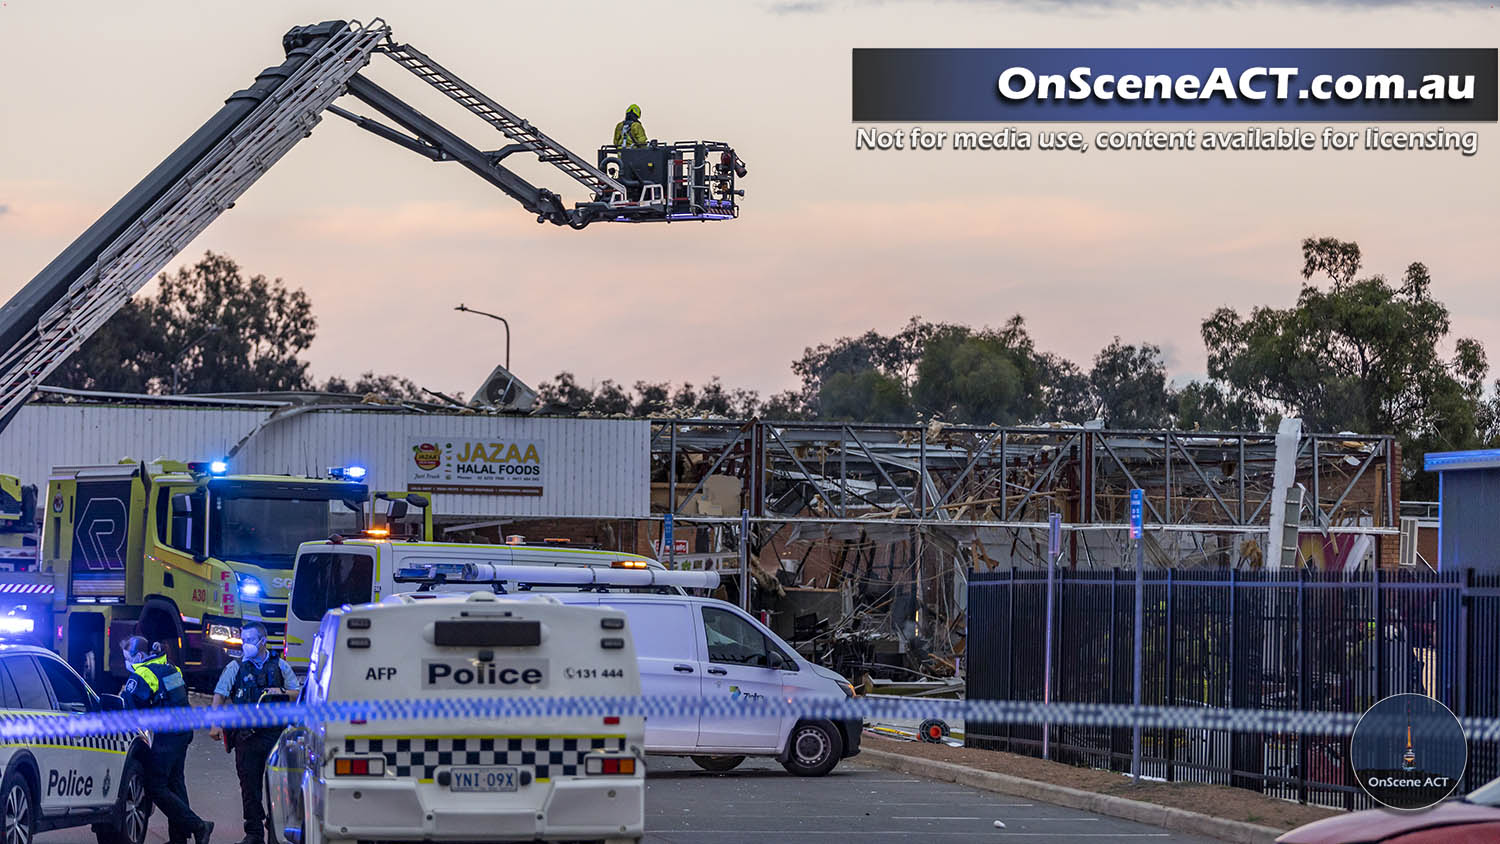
111, 703
775, 661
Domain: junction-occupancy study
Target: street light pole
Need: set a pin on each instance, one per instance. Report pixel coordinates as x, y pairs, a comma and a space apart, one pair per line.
503, 321
177, 365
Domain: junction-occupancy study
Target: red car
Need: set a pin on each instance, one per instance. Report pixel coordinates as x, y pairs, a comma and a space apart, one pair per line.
1473, 819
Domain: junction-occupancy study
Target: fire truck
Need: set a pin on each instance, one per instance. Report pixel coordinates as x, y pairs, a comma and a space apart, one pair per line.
181, 553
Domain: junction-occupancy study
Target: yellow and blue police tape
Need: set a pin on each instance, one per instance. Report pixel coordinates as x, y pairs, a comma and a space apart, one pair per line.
884, 709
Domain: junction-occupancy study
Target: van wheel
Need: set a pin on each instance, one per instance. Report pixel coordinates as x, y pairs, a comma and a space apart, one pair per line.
813, 749
17, 809
717, 764
132, 813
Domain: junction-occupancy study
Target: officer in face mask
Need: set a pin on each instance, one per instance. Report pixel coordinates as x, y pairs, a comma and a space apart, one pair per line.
154, 683
245, 681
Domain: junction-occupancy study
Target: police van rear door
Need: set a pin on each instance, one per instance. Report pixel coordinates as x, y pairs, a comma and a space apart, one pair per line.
476, 648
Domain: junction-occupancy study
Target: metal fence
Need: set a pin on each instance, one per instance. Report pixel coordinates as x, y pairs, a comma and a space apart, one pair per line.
1275, 640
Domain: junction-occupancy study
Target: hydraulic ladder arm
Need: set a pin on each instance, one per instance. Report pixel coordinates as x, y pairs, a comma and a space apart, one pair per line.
75, 294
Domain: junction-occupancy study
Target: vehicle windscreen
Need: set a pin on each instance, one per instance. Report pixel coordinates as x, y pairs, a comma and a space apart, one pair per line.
266, 531
328, 580
1486, 795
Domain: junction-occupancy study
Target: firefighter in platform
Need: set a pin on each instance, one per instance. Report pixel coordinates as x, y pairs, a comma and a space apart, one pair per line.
629, 133
156, 683
245, 682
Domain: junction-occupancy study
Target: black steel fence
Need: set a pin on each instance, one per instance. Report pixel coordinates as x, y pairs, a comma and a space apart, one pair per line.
1282, 640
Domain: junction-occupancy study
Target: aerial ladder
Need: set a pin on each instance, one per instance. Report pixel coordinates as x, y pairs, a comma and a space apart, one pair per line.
135, 239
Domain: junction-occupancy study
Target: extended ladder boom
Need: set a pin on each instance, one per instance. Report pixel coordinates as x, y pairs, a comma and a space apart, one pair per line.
135, 239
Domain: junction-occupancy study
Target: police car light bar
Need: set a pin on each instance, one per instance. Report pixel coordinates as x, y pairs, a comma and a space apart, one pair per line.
558, 575
591, 576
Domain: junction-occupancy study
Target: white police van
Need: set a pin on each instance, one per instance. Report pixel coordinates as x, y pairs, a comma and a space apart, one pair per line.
56, 783
335, 572
464, 779
705, 648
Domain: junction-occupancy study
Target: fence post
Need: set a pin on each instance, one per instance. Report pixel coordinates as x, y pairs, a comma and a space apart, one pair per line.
1171, 696
1010, 648
1301, 634
1140, 624
1054, 549
1114, 644
1380, 684
1234, 655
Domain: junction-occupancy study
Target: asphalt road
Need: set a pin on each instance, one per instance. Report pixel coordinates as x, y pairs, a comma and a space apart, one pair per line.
757, 802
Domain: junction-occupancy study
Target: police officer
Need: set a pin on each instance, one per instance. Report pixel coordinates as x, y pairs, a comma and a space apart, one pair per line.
154, 683
629, 133
243, 682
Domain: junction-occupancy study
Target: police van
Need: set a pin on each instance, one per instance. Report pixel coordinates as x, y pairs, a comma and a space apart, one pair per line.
464, 778
335, 572
704, 648
701, 647
66, 782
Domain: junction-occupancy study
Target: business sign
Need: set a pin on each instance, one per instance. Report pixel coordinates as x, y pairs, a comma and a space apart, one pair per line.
1137, 504
486, 466
679, 547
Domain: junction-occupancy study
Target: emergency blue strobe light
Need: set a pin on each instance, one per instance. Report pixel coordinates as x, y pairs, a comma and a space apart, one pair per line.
218, 467
355, 473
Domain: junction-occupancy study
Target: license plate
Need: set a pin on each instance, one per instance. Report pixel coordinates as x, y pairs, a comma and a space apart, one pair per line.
482, 779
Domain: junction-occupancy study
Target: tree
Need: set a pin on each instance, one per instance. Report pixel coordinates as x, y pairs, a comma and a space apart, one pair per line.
252, 329
564, 395
895, 356
610, 399
1361, 355
653, 398
980, 377
1208, 406
1130, 383
128, 354
864, 396
1066, 395
224, 333
393, 388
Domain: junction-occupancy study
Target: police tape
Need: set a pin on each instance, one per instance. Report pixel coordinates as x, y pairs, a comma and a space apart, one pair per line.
971, 712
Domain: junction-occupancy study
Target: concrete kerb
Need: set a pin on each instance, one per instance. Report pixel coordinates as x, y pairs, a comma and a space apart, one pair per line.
1167, 817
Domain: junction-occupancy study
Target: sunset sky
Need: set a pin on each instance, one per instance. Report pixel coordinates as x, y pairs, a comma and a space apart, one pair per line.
831, 241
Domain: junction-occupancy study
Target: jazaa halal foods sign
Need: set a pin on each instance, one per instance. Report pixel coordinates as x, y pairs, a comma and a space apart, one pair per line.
496, 467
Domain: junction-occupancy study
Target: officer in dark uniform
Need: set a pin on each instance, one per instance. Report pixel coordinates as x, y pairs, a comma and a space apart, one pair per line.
155, 683
244, 682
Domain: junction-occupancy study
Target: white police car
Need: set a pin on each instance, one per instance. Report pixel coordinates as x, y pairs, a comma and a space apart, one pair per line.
465, 778
57, 783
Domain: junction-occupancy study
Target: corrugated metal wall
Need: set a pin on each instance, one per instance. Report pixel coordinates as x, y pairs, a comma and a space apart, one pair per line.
593, 467
47, 435
1470, 525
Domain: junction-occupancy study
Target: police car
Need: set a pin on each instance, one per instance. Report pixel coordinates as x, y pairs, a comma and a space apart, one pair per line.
58, 783
464, 779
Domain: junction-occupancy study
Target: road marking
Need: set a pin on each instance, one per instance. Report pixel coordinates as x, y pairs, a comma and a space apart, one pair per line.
931, 818
987, 805
905, 834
